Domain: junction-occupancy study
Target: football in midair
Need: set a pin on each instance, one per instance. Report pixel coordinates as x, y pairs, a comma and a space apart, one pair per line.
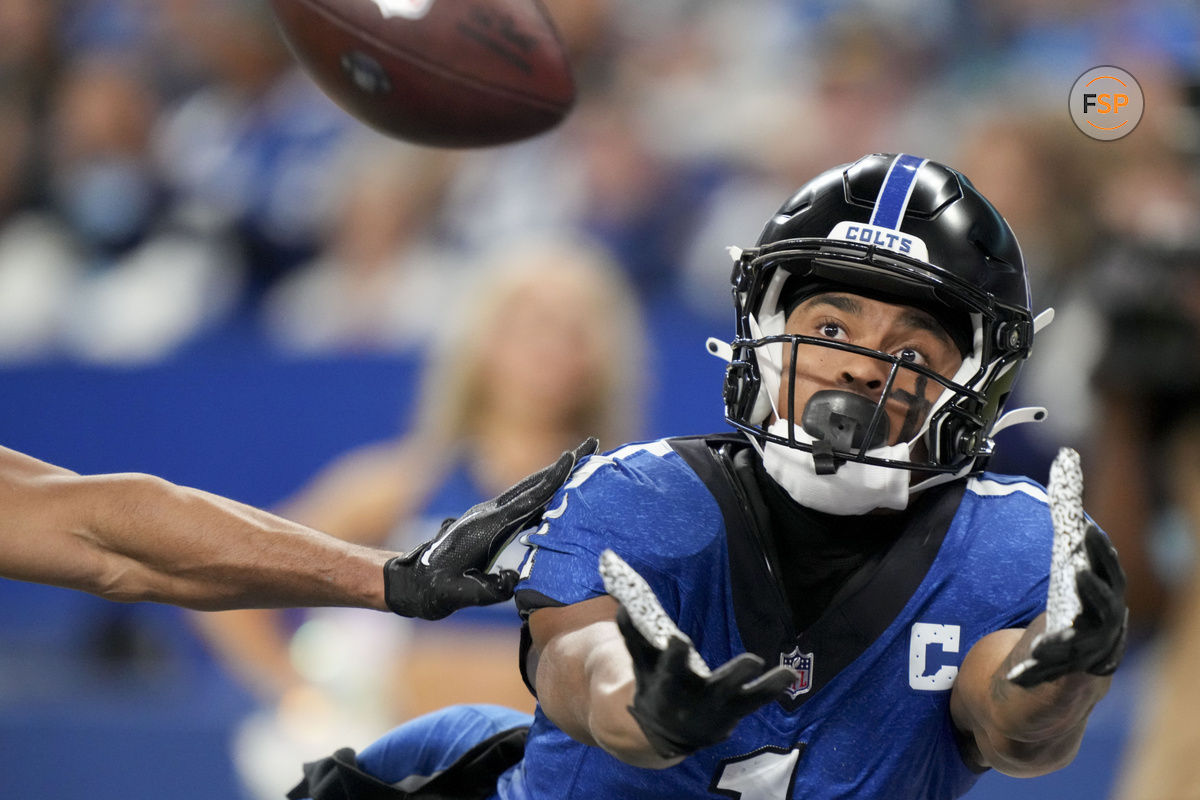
445, 73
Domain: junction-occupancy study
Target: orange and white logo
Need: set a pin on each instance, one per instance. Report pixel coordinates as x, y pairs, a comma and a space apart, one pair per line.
1106, 103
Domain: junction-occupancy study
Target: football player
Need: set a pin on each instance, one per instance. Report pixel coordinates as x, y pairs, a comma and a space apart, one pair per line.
133, 537
873, 604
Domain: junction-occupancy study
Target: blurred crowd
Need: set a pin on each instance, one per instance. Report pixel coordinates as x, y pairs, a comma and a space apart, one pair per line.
171, 180
168, 171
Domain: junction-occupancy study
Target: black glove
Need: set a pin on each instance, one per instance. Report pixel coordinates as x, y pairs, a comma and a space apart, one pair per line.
1095, 642
681, 711
449, 572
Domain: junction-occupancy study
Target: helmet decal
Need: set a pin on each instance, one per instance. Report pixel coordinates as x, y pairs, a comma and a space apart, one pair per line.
896, 191
903, 243
883, 228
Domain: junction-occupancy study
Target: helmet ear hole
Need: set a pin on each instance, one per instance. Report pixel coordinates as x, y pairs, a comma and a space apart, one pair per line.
964, 442
955, 437
739, 390
745, 397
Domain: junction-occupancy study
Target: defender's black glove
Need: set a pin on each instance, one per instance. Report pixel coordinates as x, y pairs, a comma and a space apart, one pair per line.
1095, 642
680, 705
449, 572
1086, 618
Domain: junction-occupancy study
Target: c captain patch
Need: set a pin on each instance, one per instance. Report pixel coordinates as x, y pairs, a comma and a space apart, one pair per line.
803, 664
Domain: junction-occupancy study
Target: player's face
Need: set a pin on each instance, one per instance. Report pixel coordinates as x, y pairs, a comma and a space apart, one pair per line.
904, 331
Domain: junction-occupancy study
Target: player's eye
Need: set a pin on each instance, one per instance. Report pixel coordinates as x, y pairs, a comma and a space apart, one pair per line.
831, 330
912, 354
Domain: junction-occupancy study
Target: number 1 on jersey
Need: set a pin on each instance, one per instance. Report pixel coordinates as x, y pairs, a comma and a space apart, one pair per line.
768, 773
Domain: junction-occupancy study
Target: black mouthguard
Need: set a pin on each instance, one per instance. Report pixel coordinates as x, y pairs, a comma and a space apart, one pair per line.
839, 421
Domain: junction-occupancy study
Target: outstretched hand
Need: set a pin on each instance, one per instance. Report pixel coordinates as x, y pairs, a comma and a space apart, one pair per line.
1095, 641
1086, 614
680, 704
450, 571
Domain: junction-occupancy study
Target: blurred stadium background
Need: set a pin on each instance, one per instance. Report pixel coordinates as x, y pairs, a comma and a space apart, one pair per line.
209, 272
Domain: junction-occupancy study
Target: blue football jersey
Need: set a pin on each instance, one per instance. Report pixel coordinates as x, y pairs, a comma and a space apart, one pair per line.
869, 715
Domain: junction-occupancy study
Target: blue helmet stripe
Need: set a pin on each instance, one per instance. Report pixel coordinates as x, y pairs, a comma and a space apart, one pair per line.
897, 188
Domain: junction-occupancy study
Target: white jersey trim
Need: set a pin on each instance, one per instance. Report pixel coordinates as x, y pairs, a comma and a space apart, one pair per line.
659, 448
986, 487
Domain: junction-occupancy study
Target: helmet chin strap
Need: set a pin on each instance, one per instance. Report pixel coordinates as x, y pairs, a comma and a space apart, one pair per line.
854, 488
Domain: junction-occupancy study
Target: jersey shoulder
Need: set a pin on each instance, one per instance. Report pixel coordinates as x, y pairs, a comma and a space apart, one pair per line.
643, 501
643, 492
1018, 503
1008, 518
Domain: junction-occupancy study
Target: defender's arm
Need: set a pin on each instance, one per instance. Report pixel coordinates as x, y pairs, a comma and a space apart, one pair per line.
132, 537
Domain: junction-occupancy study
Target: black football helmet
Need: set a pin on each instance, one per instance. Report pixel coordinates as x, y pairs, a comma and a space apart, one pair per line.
906, 230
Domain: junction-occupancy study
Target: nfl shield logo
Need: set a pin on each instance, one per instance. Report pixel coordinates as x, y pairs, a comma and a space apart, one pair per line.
803, 664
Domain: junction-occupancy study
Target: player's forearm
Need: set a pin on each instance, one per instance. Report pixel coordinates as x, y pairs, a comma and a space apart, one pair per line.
166, 543
1018, 731
585, 685
611, 687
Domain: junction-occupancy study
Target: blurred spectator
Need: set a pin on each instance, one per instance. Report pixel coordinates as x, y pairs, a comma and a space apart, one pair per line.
30, 58
383, 279
38, 265
1146, 493
147, 285
102, 182
543, 350
605, 183
248, 152
825, 101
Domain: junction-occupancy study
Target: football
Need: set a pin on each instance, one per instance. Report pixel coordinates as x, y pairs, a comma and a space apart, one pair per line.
445, 73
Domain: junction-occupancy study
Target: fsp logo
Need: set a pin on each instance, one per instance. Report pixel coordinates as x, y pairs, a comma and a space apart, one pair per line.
1106, 103
932, 665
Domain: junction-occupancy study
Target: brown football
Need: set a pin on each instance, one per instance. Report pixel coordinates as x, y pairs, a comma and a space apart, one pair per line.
447, 73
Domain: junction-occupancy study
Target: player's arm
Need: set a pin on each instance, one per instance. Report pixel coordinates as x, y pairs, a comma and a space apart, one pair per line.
616, 672
1016, 730
1022, 697
584, 679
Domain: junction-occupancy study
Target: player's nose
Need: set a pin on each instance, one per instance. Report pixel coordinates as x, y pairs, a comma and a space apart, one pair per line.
862, 373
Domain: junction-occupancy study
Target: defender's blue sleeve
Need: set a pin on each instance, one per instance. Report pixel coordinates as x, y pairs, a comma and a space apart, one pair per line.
641, 501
